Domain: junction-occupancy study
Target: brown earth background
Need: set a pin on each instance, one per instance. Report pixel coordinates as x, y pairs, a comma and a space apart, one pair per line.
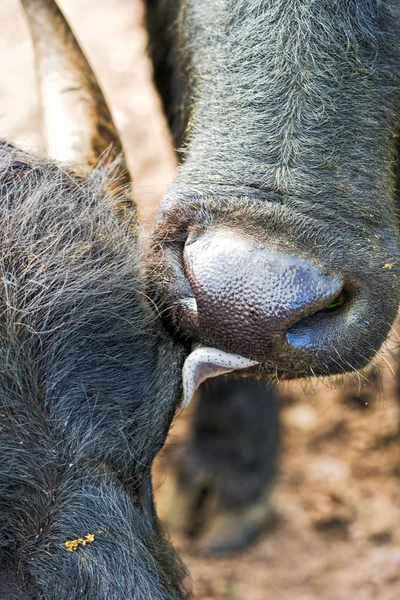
337, 499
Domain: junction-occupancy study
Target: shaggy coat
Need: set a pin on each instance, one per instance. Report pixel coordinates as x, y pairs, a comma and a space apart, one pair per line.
89, 382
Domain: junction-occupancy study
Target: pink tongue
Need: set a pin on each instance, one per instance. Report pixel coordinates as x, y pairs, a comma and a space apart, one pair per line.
203, 363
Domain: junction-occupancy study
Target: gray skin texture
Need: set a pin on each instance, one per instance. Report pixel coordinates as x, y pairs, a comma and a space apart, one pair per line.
89, 381
286, 117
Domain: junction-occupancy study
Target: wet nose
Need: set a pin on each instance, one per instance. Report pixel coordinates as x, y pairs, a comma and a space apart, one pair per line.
246, 296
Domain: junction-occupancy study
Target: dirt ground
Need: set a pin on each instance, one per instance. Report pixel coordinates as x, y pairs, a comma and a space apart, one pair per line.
337, 500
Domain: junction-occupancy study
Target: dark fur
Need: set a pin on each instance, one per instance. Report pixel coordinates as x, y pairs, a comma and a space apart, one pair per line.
89, 382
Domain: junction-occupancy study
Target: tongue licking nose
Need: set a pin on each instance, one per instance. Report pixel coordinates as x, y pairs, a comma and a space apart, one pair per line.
204, 363
246, 297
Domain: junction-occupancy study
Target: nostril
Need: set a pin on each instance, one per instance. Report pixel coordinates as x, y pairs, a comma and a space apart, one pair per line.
336, 304
315, 329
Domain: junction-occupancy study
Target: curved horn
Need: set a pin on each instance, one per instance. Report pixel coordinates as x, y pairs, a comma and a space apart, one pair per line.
77, 121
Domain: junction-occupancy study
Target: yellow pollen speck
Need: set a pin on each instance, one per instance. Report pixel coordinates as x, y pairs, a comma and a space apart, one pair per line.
388, 265
72, 545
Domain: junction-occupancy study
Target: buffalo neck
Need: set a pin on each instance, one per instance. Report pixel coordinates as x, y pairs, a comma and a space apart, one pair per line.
295, 98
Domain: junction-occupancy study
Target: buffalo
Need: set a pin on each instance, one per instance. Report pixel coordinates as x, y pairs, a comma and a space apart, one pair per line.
278, 242
89, 377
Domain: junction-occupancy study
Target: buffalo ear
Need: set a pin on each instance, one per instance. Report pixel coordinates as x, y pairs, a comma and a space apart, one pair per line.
21, 173
78, 126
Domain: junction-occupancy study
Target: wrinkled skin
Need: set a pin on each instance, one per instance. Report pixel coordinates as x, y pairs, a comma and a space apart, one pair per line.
89, 383
285, 117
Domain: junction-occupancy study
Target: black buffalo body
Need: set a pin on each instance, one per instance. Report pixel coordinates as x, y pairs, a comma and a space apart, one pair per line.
89, 382
279, 238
